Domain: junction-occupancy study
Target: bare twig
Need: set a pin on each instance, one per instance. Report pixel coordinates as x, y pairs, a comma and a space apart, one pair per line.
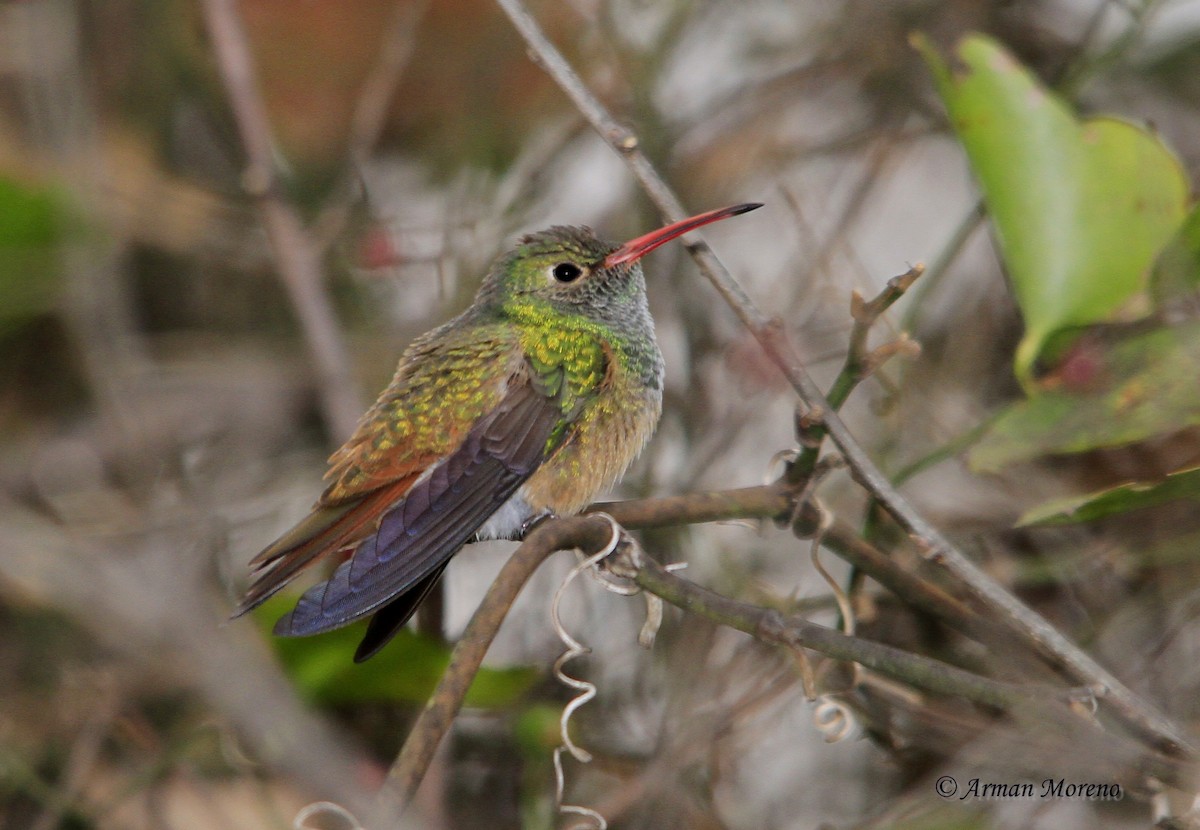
859, 364
146, 603
770, 501
370, 115
778, 501
1138, 713
83, 756
940, 265
380, 86
584, 532
796, 632
298, 261
1049, 706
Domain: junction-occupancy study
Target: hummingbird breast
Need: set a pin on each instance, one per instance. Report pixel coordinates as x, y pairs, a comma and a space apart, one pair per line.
619, 392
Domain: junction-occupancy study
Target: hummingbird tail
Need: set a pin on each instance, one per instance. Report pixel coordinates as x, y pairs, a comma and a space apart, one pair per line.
392, 617
325, 531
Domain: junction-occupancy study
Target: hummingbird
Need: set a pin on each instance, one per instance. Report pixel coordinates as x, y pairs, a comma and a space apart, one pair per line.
528, 404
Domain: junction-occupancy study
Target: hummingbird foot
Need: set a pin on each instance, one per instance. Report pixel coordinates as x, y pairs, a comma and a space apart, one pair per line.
509, 522
536, 519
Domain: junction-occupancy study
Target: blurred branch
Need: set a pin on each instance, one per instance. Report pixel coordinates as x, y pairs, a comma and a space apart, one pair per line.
1047, 708
796, 632
145, 590
297, 258
588, 533
83, 757
1086, 65
60, 113
949, 251
1137, 712
370, 113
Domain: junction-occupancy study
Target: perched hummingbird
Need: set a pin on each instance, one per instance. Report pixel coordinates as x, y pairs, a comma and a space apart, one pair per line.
529, 403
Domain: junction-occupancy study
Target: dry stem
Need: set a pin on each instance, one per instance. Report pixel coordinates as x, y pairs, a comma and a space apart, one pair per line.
1138, 713
297, 258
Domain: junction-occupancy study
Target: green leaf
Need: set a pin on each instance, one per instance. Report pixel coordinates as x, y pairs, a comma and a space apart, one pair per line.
32, 225
1141, 387
407, 669
537, 730
1134, 495
1079, 208
1177, 269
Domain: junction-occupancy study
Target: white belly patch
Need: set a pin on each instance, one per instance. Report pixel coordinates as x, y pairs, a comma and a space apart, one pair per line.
508, 521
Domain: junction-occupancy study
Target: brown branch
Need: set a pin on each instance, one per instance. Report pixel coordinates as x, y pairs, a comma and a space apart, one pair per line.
370, 116
589, 533
297, 259
370, 113
1040, 707
796, 632
769, 501
592, 532
778, 502
940, 266
1144, 718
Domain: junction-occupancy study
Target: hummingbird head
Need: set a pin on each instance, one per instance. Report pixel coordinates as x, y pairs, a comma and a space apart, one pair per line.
570, 270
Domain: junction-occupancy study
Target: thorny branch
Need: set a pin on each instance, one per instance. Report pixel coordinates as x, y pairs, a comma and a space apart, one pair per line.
1138, 713
297, 258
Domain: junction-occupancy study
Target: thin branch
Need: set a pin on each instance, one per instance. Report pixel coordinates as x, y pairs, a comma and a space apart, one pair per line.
405, 775
85, 752
370, 115
1137, 712
298, 261
796, 632
860, 363
1048, 707
860, 360
949, 251
769, 501
778, 502
1086, 65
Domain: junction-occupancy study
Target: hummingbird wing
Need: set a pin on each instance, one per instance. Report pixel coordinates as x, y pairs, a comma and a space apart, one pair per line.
447, 380
327, 530
440, 512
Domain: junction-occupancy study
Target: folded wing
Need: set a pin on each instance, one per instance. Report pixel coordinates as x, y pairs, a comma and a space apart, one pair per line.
441, 511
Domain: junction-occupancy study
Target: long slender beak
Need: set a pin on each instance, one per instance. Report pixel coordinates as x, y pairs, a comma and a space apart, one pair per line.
637, 248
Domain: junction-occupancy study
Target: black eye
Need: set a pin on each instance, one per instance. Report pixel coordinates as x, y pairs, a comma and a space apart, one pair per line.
567, 272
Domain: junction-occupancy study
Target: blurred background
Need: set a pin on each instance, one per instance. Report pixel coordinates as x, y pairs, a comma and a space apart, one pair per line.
162, 417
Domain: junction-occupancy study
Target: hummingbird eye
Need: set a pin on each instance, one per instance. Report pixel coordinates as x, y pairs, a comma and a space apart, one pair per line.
566, 272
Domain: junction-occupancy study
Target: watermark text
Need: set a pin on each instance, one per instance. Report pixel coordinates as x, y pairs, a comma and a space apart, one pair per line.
949, 787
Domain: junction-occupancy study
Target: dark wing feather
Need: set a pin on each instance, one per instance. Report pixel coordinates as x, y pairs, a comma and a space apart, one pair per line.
325, 530
440, 513
394, 616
